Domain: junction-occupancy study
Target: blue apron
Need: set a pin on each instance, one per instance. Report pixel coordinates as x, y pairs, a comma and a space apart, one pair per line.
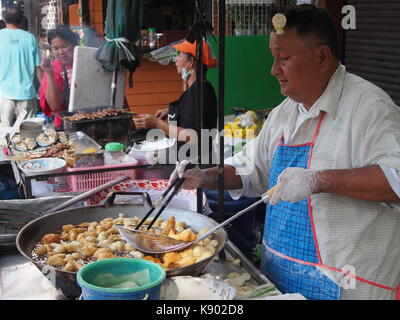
290, 248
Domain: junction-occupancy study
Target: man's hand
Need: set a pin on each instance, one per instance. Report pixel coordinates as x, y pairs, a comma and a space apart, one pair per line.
162, 114
145, 121
295, 184
193, 177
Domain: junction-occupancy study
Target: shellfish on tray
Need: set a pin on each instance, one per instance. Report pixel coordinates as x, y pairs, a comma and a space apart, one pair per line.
51, 133
45, 140
26, 144
62, 136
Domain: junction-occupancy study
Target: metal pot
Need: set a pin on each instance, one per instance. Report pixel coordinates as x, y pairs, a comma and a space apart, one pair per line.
32, 233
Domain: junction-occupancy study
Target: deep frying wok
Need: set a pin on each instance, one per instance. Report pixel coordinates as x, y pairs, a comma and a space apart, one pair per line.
32, 233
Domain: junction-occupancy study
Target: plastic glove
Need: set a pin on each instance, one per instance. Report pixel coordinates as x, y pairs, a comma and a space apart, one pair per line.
193, 177
295, 184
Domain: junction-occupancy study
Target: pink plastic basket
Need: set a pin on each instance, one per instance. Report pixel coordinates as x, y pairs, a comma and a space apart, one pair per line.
86, 181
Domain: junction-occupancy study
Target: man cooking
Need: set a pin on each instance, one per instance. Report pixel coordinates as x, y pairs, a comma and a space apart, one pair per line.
332, 227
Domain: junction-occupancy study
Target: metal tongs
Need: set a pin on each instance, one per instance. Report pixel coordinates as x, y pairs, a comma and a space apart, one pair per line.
176, 184
158, 244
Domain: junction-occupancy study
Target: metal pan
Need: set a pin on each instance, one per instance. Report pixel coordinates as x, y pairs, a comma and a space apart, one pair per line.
32, 233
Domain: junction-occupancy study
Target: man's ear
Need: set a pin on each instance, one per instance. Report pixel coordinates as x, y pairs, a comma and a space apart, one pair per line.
324, 57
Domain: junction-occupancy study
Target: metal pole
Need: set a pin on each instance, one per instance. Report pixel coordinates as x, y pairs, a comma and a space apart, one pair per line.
199, 93
113, 87
221, 106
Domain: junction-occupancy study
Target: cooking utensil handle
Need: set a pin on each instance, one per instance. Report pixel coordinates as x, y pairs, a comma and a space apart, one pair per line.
109, 200
264, 198
87, 194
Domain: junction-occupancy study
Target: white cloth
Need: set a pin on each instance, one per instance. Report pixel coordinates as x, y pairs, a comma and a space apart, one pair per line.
360, 128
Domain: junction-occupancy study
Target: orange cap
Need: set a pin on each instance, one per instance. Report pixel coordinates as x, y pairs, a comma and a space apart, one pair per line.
187, 47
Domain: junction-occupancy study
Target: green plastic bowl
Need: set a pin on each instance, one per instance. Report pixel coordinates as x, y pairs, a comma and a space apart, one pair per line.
89, 280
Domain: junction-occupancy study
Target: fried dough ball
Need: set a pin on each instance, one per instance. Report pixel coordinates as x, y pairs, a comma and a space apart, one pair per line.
115, 237
214, 243
187, 260
204, 255
50, 238
117, 246
72, 246
186, 235
59, 248
81, 236
131, 221
73, 256
128, 247
88, 250
41, 250
68, 227
105, 243
107, 221
103, 227
119, 220
64, 235
103, 253
73, 266
153, 259
186, 253
112, 230
73, 234
92, 227
136, 254
102, 236
84, 224
57, 260
170, 226
198, 251
170, 258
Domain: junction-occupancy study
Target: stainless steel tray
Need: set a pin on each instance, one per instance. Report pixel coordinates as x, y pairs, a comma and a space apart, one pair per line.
81, 142
222, 268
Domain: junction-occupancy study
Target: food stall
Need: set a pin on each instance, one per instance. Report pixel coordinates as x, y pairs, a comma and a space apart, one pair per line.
59, 244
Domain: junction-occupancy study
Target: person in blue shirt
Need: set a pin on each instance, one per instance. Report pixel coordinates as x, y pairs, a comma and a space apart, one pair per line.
19, 60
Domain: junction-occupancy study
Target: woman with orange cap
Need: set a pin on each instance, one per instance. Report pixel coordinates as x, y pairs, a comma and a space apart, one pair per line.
181, 114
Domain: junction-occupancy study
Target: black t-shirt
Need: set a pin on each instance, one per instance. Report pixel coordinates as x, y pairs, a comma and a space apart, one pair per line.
183, 110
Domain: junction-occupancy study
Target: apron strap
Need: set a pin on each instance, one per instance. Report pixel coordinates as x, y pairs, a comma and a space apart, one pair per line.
321, 117
397, 289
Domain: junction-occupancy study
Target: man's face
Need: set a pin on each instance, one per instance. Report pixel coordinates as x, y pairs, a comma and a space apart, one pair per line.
295, 65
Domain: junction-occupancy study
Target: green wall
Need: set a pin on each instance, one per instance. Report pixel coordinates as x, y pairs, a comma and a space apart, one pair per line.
248, 80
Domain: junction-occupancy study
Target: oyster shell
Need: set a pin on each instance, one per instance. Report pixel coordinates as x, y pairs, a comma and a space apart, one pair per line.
45, 140
62, 136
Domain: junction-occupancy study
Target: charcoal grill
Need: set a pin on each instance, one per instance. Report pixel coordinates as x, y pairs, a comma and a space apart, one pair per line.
103, 130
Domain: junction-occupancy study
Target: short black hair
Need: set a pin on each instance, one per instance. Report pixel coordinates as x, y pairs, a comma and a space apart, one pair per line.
63, 32
310, 21
13, 15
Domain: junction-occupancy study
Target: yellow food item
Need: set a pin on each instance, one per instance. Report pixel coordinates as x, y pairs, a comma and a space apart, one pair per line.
245, 126
89, 150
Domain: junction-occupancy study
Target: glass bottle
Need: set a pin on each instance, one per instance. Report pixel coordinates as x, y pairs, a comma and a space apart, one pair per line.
114, 154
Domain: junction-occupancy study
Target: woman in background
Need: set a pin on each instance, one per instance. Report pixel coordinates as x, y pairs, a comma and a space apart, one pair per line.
181, 114
56, 83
